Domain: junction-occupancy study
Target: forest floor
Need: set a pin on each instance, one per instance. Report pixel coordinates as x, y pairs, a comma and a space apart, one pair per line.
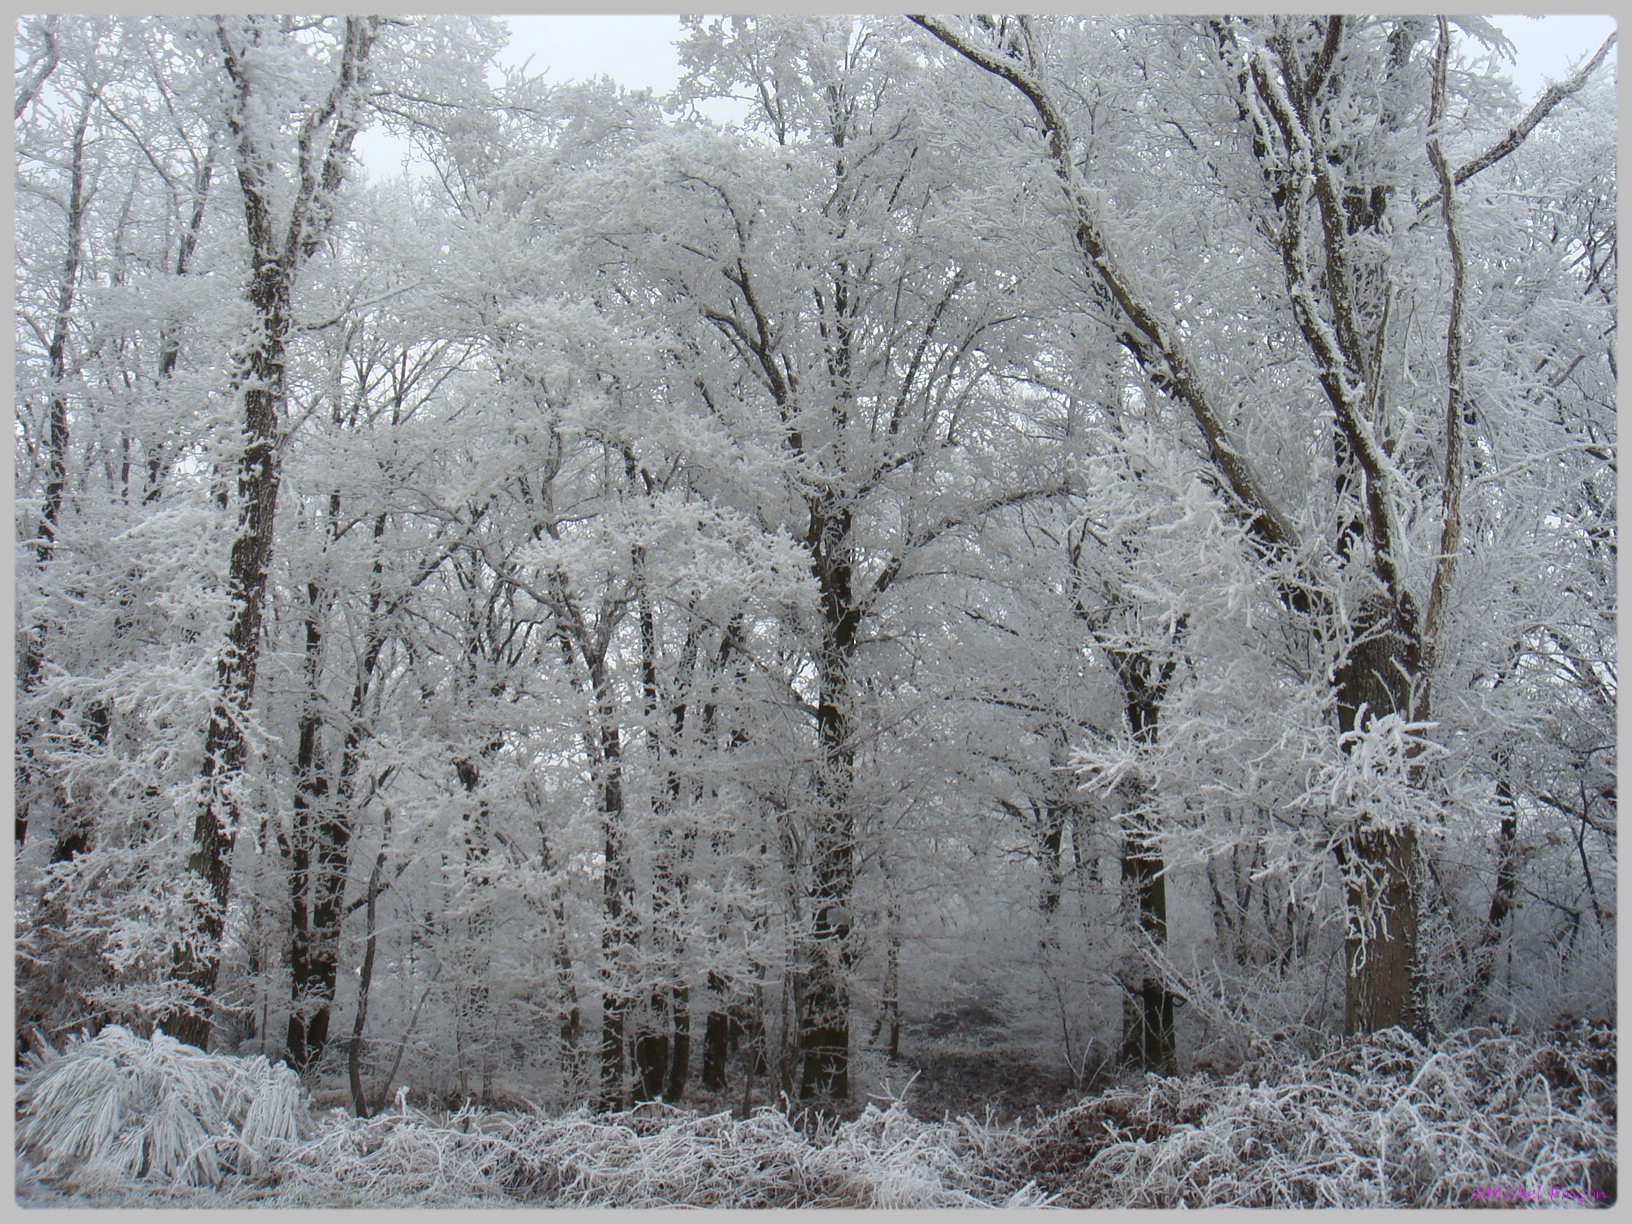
1480, 1118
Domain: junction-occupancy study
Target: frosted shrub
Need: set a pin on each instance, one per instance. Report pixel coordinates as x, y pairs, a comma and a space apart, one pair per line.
118, 1106
884, 1158
1379, 1122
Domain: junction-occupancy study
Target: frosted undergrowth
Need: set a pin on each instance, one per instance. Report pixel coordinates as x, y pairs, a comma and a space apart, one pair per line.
884, 1158
1388, 1122
1384, 1123
118, 1107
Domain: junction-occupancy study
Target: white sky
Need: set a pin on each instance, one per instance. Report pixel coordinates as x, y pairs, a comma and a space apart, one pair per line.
637, 50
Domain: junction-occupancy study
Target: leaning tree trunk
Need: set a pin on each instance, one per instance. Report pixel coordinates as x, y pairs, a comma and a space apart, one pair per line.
1317, 215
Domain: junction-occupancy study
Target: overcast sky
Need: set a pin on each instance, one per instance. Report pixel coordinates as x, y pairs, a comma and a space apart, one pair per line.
638, 51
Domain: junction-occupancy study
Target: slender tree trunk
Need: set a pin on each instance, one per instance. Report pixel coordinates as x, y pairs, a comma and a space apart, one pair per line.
889, 1011
617, 897
1507, 880
316, 931
652, 1048
721, 1026
311, 793
570, 1024
365, 977
57, 441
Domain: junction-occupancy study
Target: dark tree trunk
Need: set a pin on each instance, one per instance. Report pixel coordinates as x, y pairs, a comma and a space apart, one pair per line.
1149, 1038
651, 1059
1379, 864
225, 749
1507, 877
680, 1052
716, 1035
617, 895
311, 792
365, 977
56, 462
277, 249
824, 1019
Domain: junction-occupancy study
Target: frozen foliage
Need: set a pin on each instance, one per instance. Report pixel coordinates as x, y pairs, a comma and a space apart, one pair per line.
119, 1106
1388, 1122
1385, 1122
883, 1159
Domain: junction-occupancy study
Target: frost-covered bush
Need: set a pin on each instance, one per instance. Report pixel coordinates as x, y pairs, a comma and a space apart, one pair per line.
884, 1158
118, 1106
1380, 1122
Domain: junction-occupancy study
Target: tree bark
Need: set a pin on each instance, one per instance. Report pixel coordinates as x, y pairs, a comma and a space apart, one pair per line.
365, 977
57, 441
277, 251
824, 995
1374, 680
617, 898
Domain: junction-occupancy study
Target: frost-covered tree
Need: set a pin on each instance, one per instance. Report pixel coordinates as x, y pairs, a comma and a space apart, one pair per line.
1352, 203
1103, 525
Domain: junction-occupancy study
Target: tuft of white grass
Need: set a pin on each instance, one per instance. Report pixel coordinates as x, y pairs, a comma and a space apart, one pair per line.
117, 1107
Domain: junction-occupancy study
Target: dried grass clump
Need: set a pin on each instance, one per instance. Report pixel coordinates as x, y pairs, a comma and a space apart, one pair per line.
117, 1107
1383, 1122
884, 1158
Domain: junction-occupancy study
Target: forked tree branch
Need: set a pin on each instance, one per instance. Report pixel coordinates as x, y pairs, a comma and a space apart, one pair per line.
1516, 135
1153, 344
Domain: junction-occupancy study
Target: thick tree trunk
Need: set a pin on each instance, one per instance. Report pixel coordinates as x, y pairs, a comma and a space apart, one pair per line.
1148, 1036
1149, 1039
650, 1050
197, 961
824, 998
717, 1032
1379, 862
1381, 941
680, 1052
